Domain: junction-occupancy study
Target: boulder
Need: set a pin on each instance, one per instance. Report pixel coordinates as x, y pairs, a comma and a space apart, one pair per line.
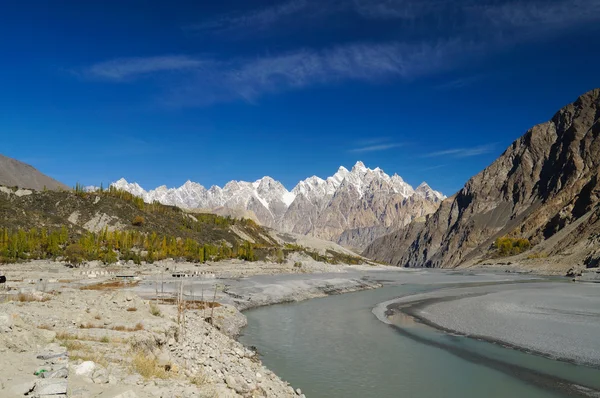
85, 369
6, 323
50, 387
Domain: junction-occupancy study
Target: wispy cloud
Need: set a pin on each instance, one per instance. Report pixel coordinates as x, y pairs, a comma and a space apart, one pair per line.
256, 19
539, 15
376, 148
128, 68
462, 152
478, 27
396, 9
206, 81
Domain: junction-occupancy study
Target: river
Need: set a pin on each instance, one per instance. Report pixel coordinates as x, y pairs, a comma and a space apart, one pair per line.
335, 347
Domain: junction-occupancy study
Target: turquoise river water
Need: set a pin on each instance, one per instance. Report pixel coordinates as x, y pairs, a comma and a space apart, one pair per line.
335, 347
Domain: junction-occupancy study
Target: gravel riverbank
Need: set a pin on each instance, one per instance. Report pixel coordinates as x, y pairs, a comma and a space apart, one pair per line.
558, 320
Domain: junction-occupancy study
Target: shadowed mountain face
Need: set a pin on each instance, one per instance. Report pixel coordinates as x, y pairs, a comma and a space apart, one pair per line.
15, 173
544, 188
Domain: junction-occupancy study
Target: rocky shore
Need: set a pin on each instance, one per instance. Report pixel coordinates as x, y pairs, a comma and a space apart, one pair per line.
109, 332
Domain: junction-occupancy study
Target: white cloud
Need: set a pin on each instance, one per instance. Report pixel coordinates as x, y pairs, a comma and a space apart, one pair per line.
540, 15
256, 19
395, 9
375, 148
485, 27
463, 152
210, 80
126, 68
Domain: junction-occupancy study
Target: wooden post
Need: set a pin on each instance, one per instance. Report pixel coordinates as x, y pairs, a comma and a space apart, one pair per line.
212, 306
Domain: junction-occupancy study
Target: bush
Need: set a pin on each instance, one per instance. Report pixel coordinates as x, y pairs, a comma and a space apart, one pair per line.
506, 246
75, 254
110, 257
154, 310
138, 221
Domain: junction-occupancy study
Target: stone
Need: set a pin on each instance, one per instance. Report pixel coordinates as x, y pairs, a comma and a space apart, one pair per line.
126, 394
22, 388
298, 391
5, 323
85, 369
230, 381
50, 387
51, 355
62, 373
100, 376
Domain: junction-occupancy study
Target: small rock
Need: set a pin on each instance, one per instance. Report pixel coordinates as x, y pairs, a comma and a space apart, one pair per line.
126, 394
298, 391
230, 381
56, 374
85, 369
50, 355
5, 323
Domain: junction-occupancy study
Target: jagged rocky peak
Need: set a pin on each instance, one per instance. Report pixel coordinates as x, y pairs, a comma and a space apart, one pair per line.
335, 198
427, 192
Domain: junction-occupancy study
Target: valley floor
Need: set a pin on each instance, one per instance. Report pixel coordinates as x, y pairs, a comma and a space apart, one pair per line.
129, 338
118, 332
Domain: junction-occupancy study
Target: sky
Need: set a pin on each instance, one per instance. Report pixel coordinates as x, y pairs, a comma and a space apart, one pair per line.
163, 92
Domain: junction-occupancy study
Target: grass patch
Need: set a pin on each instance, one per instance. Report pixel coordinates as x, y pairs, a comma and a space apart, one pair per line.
94, 357
74, 345
109, 285
65, 337
154, 310
199, 379
194, 304
131, 309
120, 328
148, 367
45, 326
29, 298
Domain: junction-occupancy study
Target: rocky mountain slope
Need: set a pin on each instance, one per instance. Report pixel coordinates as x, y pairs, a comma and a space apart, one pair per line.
15, 173
366, 201
31, 216
544, 188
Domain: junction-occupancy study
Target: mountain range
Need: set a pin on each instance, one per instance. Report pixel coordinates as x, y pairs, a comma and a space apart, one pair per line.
544, 190
352, 207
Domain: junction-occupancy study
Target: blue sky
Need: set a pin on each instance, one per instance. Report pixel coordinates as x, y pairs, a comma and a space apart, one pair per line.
162, 92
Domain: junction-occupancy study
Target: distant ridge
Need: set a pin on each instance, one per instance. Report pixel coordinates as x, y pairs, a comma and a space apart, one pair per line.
16, 173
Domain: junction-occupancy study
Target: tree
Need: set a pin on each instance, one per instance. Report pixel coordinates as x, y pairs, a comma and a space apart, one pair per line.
138, 221
74, 254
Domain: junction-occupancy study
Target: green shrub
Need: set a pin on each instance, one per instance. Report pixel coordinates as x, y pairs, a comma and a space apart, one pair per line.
506, 246
74, 254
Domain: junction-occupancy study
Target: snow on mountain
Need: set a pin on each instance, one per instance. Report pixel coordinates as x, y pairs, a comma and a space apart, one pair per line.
299, 210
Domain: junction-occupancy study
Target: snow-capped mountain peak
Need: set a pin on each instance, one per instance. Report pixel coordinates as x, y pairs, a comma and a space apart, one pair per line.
270, 200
